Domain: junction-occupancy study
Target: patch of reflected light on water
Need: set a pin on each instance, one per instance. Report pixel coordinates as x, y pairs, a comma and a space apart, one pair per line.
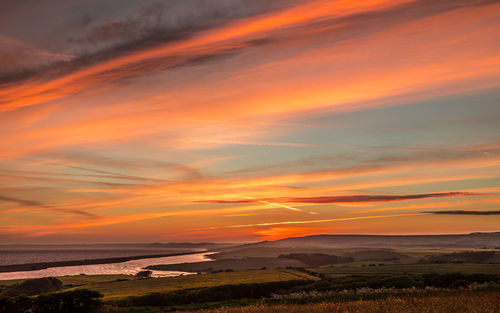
127, 268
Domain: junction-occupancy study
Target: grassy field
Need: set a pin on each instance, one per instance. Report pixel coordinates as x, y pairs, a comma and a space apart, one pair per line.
123, 288
463, 303
80, 280
230, 264
274, 252
456, 302
77, 280
368, 268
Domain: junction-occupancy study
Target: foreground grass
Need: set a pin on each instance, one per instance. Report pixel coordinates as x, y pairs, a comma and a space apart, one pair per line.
464, 302
118, 289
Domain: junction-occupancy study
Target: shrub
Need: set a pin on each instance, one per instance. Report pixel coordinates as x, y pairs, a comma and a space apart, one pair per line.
18, 304
144, 274
74, 301
458, 279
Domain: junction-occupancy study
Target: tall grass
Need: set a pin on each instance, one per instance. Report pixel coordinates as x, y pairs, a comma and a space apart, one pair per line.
462, 302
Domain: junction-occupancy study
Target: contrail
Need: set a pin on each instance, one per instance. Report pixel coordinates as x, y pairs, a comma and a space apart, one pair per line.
276, 204
320, 221
281, 205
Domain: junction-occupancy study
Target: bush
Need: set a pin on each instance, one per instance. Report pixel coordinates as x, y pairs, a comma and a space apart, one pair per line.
458, 279
461, 257
18, 304
144, 274
74, 301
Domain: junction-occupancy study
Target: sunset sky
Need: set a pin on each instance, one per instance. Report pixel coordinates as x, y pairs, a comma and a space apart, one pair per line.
238, 120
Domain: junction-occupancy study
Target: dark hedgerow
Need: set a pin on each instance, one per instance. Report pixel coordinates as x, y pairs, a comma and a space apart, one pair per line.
451, 280
74, 301
212, 294
17, 304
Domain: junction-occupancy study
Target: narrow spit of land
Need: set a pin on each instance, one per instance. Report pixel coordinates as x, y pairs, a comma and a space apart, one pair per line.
45, 265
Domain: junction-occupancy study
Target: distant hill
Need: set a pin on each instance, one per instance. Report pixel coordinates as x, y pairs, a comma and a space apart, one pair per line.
467, 241
191, 245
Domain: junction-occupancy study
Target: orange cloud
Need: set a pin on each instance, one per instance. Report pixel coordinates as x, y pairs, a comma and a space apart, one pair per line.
36, 92
276, 233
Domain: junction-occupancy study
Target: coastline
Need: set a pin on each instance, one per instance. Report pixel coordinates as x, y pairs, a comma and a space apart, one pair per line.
44, 265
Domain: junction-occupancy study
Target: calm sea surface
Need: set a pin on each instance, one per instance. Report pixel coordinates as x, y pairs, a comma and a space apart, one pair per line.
10, 256
128, 267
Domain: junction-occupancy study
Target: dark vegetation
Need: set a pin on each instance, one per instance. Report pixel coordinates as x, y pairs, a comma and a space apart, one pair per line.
213, 294
480, 257
144, 274
74, 301
40, 295
317, 259
376, 255
351, 282
459, 301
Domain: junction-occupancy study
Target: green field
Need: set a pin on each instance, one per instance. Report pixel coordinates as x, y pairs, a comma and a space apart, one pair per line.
113, 289
376, 268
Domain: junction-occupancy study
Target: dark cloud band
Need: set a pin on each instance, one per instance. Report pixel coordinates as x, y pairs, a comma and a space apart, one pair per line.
354, 199
464, 212
133, 34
